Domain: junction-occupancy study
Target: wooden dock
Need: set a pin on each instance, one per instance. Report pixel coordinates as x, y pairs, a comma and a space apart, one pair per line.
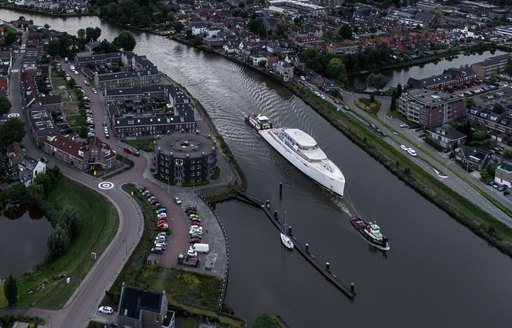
347, 289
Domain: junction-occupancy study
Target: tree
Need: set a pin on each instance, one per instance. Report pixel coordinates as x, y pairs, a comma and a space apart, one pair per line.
10, 290
178, 27
12, 130
125, 40
36, 191
345, 31
377, 81
5, 105
58, 242
498, 108
508, 67
265, 321
336, 70
70, 220
81, 33
399, 90
10, 37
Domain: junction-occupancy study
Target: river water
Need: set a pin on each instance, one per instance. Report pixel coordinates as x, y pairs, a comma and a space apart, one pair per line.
400, 76
437, 273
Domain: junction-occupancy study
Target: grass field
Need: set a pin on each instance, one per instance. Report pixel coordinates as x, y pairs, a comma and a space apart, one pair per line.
99, 225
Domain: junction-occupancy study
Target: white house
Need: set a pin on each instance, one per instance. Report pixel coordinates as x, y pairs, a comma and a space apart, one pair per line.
29, 168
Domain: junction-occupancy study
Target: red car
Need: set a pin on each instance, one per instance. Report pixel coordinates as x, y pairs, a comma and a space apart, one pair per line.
196, 224
194, 240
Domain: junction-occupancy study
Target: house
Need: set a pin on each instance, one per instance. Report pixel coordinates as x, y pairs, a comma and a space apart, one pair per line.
140, 308
14, 156
29, 168
284, 69
472, 158
447, 136
503, 174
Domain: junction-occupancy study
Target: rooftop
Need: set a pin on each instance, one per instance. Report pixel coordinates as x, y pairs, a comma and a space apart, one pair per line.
184, 144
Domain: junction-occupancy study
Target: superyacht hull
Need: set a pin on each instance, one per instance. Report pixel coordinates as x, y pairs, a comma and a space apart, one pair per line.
333, 184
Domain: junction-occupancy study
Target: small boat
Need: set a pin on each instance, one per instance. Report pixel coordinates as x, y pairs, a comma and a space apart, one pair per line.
287, 242
258, 122
371, 232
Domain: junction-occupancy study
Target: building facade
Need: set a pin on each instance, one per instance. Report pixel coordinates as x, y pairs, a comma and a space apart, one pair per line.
185, 158
431, 108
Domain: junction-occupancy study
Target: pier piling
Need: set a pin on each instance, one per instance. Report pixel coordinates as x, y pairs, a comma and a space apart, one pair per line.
353, 288
280, 188
302, 249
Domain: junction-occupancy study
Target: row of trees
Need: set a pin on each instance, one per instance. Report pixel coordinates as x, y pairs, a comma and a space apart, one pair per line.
68, 45
137, 13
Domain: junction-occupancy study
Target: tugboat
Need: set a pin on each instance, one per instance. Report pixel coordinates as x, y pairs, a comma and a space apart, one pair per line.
258, 122
371, 232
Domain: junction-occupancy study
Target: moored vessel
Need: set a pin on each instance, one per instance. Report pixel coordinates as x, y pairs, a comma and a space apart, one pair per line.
300, 149
287, 242
371, 232
258, 121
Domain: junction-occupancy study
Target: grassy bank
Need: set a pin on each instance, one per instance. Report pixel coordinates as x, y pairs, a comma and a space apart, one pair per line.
190, 293
239, 178
455, 205
99, 225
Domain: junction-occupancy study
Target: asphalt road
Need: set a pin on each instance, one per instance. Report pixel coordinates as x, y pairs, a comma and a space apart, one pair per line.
426, 155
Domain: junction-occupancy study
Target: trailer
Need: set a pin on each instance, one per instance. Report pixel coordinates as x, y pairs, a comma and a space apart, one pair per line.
187, 260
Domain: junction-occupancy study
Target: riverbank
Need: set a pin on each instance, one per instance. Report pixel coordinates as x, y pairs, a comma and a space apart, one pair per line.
461, 209
99, 223
221, 191
23, 9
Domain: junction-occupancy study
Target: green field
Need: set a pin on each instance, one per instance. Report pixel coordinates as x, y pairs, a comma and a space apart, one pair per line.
99, 225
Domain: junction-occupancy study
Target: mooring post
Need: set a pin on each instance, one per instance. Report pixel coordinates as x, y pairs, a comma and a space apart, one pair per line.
275, 215
352, 288
328, 267
307, 248
268, 203
280, 188
290, 230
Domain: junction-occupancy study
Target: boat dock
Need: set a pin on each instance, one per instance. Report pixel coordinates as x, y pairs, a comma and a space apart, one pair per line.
303, 249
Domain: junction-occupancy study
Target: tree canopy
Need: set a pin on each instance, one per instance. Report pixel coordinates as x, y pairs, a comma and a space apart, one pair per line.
125, 40
377, 81
10, 290
5, 105
12, 130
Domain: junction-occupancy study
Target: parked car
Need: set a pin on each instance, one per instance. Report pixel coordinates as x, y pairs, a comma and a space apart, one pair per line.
161, 210
190, 209
153, 201
177, 200
161, 245
196, 224
404, 147
105, 310
194, 240
157, 250
44, 159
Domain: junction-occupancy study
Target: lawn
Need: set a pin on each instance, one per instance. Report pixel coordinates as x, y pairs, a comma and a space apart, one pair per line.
99, 225
191, 293
142, 144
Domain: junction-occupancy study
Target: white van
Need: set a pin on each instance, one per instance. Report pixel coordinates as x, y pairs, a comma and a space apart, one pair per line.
200, 248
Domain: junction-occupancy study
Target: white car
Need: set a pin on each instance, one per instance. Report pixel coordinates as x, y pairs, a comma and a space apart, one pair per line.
177, 200
106, 310
404, 147
161, 215
75, 72
191, 253
412, 152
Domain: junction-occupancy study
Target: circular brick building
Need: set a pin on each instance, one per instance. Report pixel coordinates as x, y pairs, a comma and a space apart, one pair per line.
185, 158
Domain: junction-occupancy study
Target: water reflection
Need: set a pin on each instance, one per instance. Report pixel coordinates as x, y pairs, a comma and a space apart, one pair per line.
23, 235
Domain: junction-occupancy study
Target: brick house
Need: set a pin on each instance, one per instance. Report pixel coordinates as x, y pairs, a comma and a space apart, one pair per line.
472, 158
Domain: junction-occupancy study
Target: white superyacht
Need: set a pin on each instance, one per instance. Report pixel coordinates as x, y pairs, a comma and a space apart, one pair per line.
300, 149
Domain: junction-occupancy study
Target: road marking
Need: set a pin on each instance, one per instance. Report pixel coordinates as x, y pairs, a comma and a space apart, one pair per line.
106, 185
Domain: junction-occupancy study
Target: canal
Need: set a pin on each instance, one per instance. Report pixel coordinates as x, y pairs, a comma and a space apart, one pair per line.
400, 76
437, 272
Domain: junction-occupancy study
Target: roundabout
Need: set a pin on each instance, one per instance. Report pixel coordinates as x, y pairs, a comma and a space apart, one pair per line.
106, 185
